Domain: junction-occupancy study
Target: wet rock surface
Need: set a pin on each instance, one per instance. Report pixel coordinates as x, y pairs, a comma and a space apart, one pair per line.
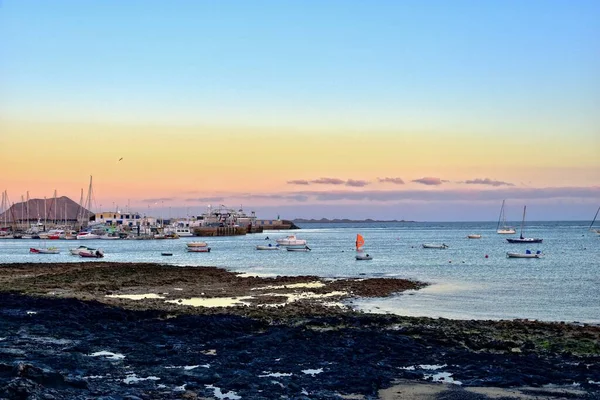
62, 347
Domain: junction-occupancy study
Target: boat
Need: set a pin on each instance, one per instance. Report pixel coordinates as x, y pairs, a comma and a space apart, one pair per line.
78, 250
435, 246
198, 249
267, 247
110, 236
594, 220
49, 250
298, 248
521, 238
87, 236
291, 240
504, 229
92, 254
527, 254
196, 244
166, 254
474, 236
360, 242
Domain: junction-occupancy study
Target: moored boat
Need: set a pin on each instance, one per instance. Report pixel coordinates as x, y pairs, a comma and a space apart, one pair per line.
267, 247
364, 257
434, 246
298, 248
527, 254
198, 249
87, 236
521, 238
80, 249
49, 250
474, 236
92, 254
502, 228
291, 240
196, 244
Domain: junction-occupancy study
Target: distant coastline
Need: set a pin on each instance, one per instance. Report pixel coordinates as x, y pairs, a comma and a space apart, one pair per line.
344, 220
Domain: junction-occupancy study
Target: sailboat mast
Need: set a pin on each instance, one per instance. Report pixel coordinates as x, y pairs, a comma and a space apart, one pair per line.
523, 221
501, 216
594, 220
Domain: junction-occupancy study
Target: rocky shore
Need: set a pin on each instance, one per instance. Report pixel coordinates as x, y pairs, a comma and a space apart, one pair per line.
146, 331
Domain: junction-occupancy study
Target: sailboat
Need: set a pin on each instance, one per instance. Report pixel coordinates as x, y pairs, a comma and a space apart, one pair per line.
504, 230
521, 238
594, 220
360, 242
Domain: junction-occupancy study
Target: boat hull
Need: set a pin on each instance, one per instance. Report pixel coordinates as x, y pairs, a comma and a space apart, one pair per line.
474, 236
259, 247
304, 248
506, 231
524, 240
521, 255
44, 251
198, 249
364, 257
434, 246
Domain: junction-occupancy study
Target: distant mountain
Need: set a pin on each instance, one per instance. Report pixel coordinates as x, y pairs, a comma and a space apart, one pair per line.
344, 220
60, 209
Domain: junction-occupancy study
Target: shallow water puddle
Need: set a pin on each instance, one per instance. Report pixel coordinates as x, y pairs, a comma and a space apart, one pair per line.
229, 395
212, 301
136, 296
133, 378
108, 355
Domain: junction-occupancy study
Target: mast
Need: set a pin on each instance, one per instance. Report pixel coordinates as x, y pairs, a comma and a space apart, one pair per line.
594, 220
22, 210
523, 221
45, 215
28, 210
501, 217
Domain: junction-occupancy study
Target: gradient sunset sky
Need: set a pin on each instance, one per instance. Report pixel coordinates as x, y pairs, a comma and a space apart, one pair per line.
418, 110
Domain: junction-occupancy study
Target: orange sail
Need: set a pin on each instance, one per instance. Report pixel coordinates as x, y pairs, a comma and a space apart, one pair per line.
360, 242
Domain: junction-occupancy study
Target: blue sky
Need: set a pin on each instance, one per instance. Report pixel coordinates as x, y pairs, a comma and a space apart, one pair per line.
417, 91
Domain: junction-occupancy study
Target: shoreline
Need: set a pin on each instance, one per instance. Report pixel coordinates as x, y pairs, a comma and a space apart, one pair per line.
281, 341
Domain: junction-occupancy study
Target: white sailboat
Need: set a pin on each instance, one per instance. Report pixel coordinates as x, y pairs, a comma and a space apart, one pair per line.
504, 229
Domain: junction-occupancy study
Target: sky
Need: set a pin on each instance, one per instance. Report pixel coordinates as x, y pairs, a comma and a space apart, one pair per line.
418, 110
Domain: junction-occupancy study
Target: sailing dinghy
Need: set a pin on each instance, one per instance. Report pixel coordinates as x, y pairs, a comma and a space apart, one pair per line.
360, 242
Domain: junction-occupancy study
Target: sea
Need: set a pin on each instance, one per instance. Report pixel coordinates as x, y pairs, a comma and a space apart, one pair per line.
471, 279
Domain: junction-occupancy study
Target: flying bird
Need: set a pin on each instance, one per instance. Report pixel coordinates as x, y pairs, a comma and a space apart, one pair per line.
120, 158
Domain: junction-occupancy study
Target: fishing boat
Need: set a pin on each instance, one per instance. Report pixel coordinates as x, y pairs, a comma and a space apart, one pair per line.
474, 236
521, 238
198, 249
527, 254
196, 244
291, 240
48, 250
435, 246
504, 229
298, 248
594, 220
92, 254
360, 242
267, 247
78, 250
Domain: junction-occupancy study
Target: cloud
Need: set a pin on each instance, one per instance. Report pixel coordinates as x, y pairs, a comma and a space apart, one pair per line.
357, 183
298, 182
395, 181
487, 181
429, 181
301, 197
328, 181
158, 200
214, 199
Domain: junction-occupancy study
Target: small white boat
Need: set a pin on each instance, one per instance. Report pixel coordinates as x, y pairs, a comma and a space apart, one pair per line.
198, 249
49, 250
87, 236
92, 254
474, 236
502, 228
110, 237
527, 254
267, 247
197, 244
435, 246
291, 240
364, 257
298, 248
78, 250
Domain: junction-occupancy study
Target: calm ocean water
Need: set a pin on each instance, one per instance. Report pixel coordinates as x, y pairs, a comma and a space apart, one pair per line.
562, 286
